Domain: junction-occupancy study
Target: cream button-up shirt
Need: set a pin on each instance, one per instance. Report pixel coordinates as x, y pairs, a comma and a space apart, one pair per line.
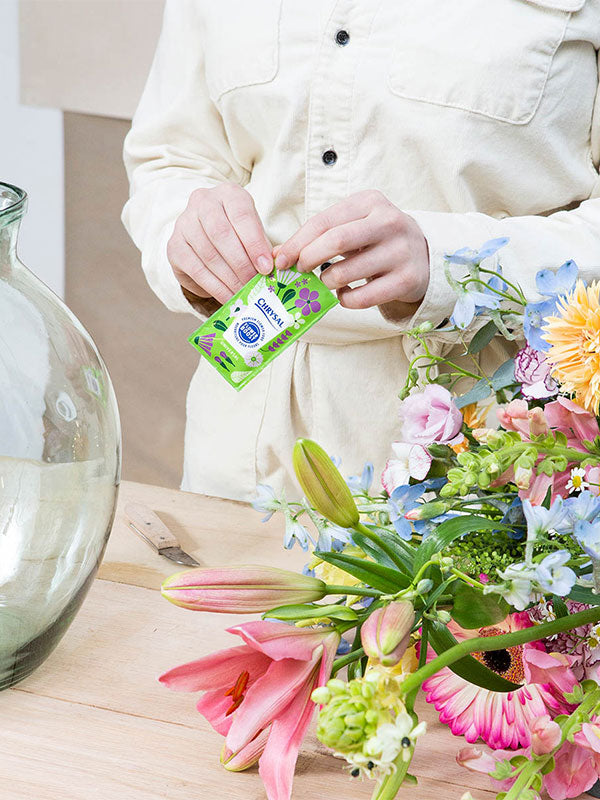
480, 119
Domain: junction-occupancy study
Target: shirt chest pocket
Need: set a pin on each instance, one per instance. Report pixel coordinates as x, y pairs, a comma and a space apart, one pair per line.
487, 57
241, 43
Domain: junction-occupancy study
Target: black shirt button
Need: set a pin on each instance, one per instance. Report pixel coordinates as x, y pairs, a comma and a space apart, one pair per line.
342, 38
329, 157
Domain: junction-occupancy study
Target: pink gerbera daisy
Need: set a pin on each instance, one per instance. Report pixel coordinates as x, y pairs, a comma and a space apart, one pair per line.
501, 719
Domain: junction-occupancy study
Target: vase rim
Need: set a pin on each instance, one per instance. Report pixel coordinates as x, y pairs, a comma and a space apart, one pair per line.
15, 199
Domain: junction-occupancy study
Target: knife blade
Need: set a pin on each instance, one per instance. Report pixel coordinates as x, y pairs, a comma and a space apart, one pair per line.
154, 532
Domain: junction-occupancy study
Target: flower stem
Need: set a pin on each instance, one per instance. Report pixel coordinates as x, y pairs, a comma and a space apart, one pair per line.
482, 644
388, 788
333, 588
342, 662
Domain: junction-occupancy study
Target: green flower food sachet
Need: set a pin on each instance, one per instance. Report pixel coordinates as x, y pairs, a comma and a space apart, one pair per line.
260, 321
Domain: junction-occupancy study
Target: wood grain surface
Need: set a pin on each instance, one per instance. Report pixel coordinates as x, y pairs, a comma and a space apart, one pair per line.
93, 723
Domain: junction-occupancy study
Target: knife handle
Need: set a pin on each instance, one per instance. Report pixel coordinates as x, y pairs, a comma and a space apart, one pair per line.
150, 526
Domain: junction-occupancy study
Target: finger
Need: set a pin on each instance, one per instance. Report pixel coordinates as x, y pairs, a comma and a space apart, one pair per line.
339, 241
347, 210
225, 240
374, 293
193, 274
242, 214
210, 257
365, 264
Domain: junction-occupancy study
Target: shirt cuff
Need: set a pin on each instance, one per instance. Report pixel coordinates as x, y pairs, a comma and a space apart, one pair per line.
445, 233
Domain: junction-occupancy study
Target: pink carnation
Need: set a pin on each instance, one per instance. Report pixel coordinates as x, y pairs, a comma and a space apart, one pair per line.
431, 416
532, 371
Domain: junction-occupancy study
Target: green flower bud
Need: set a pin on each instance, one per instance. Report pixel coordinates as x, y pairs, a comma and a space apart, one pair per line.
323, 485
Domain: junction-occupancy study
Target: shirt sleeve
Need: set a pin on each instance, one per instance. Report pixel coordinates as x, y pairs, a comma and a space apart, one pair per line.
177, 144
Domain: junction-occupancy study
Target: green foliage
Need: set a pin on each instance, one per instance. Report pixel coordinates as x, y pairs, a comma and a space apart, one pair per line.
376, 575
473, 609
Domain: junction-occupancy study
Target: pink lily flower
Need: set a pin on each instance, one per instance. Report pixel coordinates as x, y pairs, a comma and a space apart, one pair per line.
257, 695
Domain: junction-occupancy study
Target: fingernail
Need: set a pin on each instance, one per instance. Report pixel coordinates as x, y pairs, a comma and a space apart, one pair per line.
281, 261
265, 265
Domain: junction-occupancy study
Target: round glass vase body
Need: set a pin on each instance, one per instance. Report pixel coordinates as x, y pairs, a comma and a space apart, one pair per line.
60, 447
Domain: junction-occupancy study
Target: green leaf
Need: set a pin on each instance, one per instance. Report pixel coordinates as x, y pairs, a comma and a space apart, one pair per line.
480, 391
582, 595
483, 337
371, 549
404, 552
504, 375
311, 610
474, 609
446, 532
468, 668
559, 606
288, 296
377, 576
220, 325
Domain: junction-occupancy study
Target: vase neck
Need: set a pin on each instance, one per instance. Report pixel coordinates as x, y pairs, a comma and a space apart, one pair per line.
12, 207
8, 247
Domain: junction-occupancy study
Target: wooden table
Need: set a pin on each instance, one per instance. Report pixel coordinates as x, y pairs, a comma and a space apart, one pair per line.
93, 723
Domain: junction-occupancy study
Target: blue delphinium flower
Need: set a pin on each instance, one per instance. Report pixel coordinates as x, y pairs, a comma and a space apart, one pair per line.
266, 500
559, 283
540, 520
471, 302
554, 576
362, 483
515, 518
469, 257
533, 321
587, 535
343, 647
552, 285
331, 537
586, 506
403, 499
295, 532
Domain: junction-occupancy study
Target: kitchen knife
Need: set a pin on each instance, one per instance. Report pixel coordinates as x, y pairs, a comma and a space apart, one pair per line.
154, 532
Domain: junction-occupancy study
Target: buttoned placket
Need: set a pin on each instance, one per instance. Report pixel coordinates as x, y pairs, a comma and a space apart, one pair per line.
330, 123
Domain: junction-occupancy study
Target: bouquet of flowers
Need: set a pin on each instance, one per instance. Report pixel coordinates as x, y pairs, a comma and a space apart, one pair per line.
473, 575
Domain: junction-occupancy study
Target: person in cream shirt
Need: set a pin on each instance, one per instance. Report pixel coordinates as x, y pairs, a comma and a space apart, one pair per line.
377, 134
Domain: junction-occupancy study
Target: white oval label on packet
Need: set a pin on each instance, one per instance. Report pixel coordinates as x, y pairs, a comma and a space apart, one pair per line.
258, 323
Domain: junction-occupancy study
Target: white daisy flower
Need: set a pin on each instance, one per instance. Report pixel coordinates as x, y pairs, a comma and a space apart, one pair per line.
577, 482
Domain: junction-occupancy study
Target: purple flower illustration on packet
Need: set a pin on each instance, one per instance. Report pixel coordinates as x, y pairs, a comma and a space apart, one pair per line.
308, 301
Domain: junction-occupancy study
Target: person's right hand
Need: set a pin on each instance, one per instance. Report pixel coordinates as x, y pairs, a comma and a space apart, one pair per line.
219, 243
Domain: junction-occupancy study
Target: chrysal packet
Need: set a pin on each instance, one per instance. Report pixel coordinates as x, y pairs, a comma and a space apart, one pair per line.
260, 321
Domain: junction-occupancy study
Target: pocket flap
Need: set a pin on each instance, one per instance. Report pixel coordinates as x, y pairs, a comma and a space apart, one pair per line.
560, 5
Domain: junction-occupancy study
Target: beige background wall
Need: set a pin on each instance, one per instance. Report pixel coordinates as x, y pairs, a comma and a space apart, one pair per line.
90, 59
90, 56
143, 344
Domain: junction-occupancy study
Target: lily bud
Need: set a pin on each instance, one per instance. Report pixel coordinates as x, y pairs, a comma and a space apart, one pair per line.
324, 487
241, 590
386, 633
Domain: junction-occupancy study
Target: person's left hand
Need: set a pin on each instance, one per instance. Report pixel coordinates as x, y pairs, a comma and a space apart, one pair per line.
379, 243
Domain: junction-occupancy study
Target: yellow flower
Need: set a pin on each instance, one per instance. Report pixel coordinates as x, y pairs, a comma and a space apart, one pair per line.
404, 667
574, 338
335, 576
